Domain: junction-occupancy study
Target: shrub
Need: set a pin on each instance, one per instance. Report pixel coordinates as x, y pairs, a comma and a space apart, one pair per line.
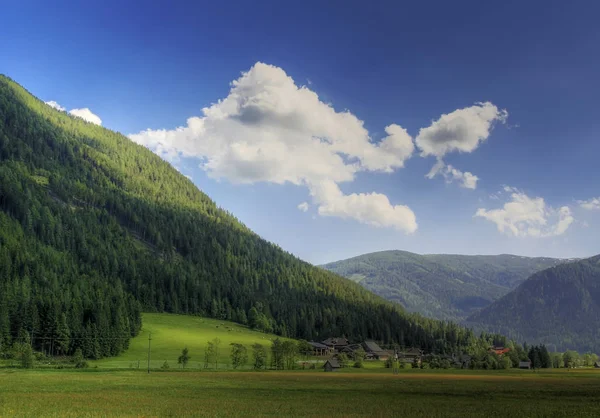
79, 360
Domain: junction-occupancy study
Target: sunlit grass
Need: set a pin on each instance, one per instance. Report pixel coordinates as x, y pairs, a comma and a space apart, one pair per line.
171, 333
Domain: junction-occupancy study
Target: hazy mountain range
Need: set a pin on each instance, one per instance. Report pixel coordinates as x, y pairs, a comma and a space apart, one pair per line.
441, 286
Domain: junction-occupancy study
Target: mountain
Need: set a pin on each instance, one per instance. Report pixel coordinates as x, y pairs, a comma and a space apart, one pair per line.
95, 229
559, 307
439, 285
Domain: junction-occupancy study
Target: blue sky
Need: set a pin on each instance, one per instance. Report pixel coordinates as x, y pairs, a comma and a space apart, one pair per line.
144, 69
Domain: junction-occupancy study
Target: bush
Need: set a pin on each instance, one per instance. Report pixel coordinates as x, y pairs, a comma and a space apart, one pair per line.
358, 364
165, 365
24, 354
79, 360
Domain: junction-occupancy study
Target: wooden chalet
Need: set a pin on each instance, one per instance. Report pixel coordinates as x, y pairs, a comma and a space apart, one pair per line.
411, 355
375, 352
331, 365
320, 349
336, 344
350, 350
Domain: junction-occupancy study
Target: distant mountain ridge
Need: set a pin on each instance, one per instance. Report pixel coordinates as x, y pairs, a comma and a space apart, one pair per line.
559, 307
441, 286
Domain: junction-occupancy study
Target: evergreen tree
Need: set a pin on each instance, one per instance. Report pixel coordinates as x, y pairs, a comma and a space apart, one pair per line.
63, 339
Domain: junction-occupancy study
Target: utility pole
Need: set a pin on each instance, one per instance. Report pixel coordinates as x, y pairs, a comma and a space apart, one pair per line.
149, 339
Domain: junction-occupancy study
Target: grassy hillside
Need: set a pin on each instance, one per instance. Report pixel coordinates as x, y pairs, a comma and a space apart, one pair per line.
439, 285
171, 333
559, 307
96, 228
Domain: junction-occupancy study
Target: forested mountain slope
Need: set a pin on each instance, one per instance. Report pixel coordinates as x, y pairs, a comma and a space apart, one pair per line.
442, 286
94, 228
559, 307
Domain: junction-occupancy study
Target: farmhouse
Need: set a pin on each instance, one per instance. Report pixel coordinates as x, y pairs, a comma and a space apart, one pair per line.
336, 344
499, 351
320, 349
350, 350
331, 365
374, 351
524, 365
411, 355
597, 365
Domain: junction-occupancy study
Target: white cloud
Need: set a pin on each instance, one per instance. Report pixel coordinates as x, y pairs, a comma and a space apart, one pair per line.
84, 113
270, 130
523, 216
591, 204
460, 131
369, 208
303, 206
55, 105
467, 180
87, 115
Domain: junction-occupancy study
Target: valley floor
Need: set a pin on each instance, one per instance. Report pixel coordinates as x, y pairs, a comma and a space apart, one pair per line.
348, 393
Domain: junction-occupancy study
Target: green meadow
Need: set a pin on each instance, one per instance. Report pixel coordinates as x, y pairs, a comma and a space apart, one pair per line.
115, 387
171, 333
421, 393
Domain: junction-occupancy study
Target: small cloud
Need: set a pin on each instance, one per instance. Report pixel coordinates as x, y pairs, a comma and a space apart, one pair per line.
303, 206
467, 180
84, 113
524, 216
591, 204
87, 115
462, 130
55, 105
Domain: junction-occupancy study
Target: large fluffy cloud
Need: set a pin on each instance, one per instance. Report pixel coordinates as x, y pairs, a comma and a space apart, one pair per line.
460, 131
524, 216
592, 204
84, 113
269, 129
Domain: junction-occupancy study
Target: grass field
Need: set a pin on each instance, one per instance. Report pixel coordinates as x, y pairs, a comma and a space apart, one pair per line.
171, 333
179, 393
